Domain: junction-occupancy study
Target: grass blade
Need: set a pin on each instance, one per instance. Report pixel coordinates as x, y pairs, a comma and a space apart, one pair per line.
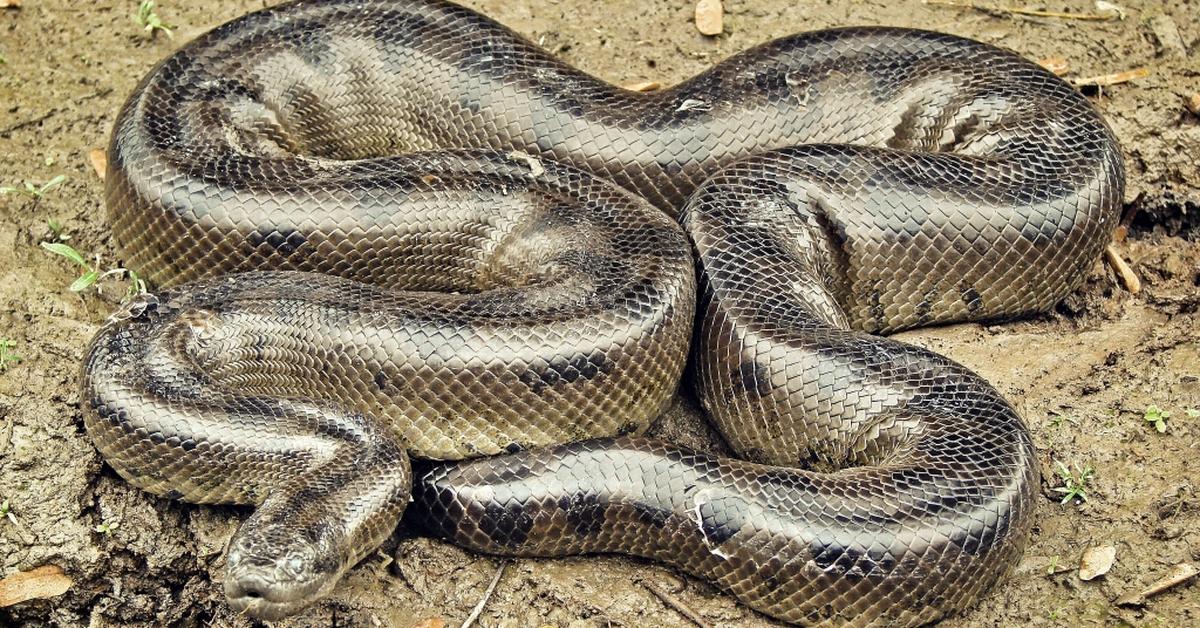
84, 282
67, 251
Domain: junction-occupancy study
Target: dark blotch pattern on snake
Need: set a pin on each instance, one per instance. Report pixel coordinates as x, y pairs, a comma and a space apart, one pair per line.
501, 296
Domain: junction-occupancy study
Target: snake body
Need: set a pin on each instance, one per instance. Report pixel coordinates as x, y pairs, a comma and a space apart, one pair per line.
395, 228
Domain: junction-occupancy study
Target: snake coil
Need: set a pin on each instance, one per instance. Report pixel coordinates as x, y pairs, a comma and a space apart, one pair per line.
406, 231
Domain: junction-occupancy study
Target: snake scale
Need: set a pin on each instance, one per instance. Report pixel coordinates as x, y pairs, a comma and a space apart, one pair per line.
394, 228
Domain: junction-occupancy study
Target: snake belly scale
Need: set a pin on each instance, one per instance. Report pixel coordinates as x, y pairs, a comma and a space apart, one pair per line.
394, 229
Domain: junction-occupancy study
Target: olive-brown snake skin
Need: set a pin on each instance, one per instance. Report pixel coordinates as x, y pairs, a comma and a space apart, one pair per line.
525, 289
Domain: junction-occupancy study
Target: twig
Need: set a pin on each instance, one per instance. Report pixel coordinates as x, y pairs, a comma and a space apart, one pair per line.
1179, 575
475, 612
30, 122
987, 8
675, 603
1128, 278
100, 93
1105, 80
53, 111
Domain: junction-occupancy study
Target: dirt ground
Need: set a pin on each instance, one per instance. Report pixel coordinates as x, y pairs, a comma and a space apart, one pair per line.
1083, 375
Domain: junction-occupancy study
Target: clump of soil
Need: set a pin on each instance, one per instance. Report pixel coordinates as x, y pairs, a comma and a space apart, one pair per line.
1083, 376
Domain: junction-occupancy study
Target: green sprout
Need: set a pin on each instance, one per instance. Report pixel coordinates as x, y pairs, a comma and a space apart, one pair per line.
1075, 483
1192, 413
58, 230
1158, 418
6, 512
91, 273
1057, 420
150, 21
7, 359
106, 528
33, 190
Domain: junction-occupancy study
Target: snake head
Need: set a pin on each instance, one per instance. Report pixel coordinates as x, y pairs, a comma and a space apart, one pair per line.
276, 569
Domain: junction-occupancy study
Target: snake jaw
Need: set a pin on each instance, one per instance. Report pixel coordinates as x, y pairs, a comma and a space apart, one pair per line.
274, 571
249, 595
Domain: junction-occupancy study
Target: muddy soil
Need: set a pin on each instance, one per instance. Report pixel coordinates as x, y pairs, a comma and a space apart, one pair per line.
1082, 375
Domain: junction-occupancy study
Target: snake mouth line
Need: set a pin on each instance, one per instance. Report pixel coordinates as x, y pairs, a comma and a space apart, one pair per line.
263, 585
252, 604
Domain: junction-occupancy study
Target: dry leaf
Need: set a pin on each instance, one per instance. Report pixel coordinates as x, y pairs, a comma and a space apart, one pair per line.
1057, 65
644, 86
1096, 562
710, 17
99, 161
430, 622
10, 4
43, 582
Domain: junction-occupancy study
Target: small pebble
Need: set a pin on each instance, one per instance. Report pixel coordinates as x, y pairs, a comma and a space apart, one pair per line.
644, 86
1193, 103
710, 17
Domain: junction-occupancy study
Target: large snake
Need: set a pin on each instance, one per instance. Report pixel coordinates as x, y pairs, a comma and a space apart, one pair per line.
524, 289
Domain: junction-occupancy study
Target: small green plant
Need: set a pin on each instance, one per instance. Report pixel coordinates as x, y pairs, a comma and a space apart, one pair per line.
1192, 413
1158, 418
33, 190
1075, 483
106, 528
6, 512
90, 273
1057, 420
1053, 567
57, 229
7, 358
150, 21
